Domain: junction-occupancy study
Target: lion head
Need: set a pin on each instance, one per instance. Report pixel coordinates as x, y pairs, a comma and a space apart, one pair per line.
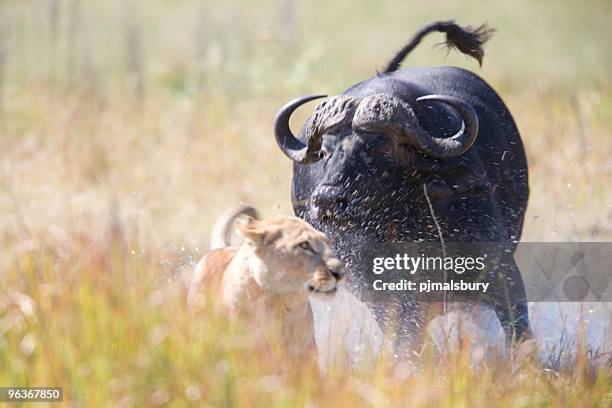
291, 256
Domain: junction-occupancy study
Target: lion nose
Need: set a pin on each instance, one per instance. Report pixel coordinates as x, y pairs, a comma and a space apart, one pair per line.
336, 268
337, 274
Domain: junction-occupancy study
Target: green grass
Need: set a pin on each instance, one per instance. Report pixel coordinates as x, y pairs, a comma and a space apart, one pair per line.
108, 188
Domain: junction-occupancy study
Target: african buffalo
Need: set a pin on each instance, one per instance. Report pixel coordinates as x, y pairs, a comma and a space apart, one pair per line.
415, 154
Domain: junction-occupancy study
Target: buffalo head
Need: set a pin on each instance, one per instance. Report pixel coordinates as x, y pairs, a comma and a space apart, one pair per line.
360, 151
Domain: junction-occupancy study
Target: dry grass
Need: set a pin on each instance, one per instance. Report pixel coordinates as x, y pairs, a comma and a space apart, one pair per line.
112, 169
109, 325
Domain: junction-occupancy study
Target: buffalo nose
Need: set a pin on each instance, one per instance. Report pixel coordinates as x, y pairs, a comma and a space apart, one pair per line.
329, 197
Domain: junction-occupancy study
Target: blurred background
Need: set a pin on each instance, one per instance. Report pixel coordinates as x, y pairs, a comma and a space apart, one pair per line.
128, 126
159, 113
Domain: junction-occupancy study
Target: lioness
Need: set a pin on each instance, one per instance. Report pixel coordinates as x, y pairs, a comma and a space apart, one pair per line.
269, 277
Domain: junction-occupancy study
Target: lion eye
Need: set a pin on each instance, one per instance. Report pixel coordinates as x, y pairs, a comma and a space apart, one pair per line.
305, 246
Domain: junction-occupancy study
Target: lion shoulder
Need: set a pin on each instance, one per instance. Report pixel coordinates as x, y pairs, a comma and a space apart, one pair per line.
208, 274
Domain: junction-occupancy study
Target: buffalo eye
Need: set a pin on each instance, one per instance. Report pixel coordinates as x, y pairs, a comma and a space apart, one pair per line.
327, 146
324, 154
305, 246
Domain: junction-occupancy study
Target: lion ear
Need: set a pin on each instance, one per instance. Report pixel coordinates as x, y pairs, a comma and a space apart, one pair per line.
251, 229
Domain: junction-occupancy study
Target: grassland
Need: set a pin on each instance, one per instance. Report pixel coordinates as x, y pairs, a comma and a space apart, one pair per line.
127, 126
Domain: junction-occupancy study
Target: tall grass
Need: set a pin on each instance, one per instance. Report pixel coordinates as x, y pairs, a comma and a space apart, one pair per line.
108, 322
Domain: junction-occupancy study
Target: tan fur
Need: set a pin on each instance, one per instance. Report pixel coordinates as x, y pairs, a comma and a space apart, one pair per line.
268, 279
